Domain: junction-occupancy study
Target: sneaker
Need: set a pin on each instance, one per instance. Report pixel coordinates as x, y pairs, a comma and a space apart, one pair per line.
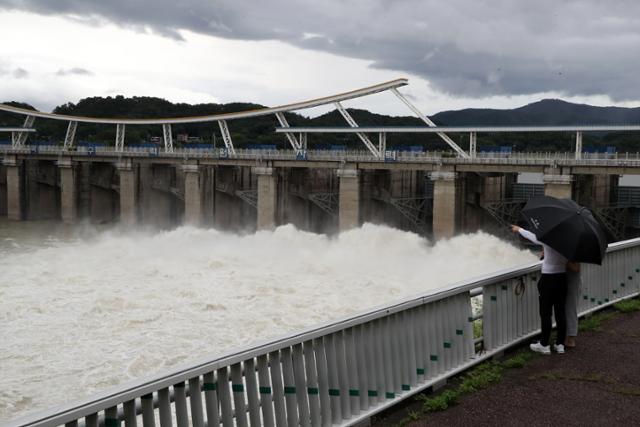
558, 348
539, 348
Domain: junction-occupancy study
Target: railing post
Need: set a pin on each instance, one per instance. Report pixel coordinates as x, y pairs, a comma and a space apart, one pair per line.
195, 399
164, 405
237, 389
252, 391
278, 388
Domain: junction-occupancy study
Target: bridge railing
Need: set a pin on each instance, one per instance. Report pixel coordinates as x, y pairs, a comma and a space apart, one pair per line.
345, 371
517, 158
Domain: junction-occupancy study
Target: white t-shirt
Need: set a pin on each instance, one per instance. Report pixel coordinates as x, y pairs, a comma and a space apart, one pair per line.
553, 261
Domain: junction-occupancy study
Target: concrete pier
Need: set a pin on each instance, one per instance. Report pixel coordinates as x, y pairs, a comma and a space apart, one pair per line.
446, 215
192, 195
128, 193
596, 190
349, 199
559, 186
68, 193
267, 198
15, 189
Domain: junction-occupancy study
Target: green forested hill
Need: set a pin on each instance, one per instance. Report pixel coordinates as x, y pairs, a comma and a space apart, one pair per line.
260, 130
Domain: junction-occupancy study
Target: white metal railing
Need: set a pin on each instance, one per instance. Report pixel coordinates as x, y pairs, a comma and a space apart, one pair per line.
345, 371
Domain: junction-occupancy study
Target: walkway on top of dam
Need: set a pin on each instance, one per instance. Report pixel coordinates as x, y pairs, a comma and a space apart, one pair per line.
597, 383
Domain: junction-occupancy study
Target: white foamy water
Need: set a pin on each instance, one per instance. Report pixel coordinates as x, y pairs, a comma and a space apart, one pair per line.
79, 315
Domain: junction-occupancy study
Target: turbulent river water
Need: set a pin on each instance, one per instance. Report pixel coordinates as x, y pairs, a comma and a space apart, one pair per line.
84, 309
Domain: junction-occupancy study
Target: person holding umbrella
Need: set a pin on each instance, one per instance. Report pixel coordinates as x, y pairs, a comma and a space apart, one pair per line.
552, 292
567, 232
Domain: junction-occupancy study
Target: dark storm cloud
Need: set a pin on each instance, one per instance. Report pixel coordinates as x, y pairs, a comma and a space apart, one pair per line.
77, 71
469, 48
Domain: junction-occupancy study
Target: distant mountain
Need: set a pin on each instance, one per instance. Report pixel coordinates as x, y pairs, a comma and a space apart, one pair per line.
545, 112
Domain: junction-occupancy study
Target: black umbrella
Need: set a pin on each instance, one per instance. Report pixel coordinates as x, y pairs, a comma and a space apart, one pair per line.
567, 227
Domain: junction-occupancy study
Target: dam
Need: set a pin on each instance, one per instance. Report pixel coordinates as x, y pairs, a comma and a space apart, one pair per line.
433, 193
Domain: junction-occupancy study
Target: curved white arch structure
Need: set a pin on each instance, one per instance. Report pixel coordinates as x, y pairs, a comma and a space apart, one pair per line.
370, 90
278, 111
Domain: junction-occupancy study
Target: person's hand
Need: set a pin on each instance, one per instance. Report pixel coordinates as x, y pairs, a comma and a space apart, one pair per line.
514, 228
573, 267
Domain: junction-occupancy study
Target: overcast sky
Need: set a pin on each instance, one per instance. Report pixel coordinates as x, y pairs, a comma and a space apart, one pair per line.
456, 53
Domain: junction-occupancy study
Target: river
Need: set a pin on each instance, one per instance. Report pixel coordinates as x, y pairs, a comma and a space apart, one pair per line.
83, 308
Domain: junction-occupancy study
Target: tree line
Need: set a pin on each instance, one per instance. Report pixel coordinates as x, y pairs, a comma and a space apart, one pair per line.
261, 130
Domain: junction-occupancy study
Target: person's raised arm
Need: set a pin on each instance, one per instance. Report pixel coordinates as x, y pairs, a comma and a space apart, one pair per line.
526, 234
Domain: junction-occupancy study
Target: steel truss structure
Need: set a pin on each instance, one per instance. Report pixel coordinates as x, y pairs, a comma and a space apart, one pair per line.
328, 202
415, 209
298, 145
70, 135
363, 137
167, 138
614, 218
249, 196
120, 137
19, 138
506, 211
160, 185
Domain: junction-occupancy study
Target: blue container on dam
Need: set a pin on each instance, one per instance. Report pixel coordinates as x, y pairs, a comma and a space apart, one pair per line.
197, 146
261, 147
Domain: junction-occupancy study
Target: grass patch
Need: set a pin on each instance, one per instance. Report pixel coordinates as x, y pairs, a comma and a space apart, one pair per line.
411, 417
441, 402
519, 360
628, 306
572, 376
594, 322
628, 391
479, 378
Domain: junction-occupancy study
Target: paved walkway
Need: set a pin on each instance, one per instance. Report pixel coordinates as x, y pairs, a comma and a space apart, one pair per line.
595, 384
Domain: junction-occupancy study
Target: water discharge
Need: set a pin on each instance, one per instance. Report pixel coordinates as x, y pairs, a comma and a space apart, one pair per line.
81, 313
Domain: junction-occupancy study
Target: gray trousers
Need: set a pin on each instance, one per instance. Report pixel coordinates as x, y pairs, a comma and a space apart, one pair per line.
574, 283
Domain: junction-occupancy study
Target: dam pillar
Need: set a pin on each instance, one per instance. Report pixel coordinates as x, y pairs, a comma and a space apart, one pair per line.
68, 193
15, 189
596, 190
559, 186
128, 193
349, 199
446, 204
267, 198
192, 195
